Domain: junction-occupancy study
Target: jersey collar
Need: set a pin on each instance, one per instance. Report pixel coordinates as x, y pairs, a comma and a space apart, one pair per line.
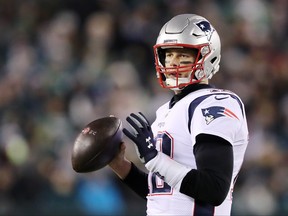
188, 89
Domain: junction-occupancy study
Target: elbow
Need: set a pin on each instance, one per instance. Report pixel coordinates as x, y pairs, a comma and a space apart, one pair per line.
209, 189
217, 201
218, 192
220, 195
214, 197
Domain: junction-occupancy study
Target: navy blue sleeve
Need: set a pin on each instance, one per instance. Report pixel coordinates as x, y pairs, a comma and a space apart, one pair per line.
137, 180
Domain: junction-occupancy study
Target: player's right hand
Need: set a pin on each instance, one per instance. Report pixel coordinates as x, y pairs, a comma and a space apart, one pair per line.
142, 136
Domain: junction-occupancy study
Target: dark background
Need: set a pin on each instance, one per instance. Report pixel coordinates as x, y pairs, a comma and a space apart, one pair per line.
66, 63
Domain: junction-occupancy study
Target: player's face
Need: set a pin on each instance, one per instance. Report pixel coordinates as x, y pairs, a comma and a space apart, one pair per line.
175, 57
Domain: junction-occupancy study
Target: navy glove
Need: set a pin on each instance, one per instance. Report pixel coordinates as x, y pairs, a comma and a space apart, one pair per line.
142, 136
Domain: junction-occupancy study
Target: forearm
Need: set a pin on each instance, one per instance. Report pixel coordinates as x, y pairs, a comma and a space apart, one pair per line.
133, 177
205, 186
129, 174
137, 180
121, 169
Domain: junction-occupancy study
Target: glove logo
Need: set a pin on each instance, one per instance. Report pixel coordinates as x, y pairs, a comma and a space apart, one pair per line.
148, 140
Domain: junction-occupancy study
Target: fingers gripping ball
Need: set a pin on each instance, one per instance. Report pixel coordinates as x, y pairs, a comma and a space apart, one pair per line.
97, 144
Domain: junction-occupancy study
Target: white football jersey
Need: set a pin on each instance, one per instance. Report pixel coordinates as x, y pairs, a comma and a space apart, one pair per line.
209, 111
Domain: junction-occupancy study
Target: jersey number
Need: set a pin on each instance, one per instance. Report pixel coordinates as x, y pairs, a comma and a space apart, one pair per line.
165, 141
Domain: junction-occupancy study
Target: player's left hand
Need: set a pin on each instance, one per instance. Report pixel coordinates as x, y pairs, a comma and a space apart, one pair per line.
142, 136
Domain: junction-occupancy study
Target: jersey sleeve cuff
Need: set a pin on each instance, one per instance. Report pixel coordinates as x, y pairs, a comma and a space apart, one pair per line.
167, 169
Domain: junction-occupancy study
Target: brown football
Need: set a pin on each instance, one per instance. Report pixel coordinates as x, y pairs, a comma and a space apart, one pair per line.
97, 144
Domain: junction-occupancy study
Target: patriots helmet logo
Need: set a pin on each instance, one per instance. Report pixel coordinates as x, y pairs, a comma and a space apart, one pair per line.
206, 27
214, 112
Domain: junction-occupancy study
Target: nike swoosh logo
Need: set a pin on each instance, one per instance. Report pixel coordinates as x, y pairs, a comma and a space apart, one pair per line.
221, 98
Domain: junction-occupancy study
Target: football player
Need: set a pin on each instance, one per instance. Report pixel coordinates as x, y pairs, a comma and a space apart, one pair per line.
195, 148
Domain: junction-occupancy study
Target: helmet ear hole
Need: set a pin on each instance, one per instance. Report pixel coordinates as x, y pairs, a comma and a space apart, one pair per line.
213, 59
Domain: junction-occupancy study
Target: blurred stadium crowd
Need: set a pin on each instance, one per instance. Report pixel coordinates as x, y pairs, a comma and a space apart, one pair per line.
66, 63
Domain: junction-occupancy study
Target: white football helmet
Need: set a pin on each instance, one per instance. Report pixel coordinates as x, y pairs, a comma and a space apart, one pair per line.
187, 31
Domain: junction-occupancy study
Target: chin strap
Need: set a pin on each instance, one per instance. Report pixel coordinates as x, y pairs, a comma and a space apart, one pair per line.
173, 82
168, 170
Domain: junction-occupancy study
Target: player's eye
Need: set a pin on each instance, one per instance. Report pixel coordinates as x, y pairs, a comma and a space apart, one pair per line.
185, 56
169, 55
